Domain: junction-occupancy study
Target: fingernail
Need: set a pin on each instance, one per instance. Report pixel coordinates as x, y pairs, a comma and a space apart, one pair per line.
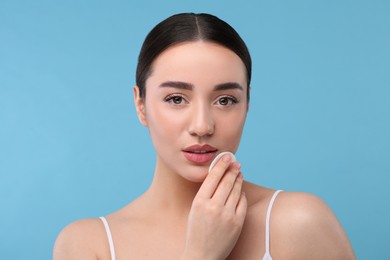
227, 158
237, 165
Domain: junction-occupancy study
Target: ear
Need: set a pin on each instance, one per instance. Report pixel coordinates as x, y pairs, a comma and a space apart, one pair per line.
139, 103
247, 102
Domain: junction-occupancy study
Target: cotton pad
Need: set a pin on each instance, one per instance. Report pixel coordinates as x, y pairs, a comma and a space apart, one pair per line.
219, 156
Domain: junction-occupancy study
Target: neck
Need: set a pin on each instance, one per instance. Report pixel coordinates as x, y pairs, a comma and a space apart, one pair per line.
171, 192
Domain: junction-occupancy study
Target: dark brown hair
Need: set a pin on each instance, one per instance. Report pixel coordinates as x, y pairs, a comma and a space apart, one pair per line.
186, 27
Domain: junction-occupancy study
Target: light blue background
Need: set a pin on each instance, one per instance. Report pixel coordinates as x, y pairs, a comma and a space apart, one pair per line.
71, 146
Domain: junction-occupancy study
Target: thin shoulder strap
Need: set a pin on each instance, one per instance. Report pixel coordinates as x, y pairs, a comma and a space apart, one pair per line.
267, 255
109, 236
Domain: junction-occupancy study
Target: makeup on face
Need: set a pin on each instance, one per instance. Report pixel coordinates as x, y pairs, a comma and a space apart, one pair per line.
200, 154
195, 90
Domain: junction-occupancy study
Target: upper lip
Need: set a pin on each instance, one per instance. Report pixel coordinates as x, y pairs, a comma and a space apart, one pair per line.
200, 148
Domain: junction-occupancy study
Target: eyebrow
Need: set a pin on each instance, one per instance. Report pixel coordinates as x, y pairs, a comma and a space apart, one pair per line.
228, 85
177, 84
189, 86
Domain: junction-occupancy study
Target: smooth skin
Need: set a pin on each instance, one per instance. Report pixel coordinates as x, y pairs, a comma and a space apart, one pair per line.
188, 213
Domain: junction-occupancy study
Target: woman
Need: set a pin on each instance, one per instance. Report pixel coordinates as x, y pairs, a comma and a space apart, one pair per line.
192, 93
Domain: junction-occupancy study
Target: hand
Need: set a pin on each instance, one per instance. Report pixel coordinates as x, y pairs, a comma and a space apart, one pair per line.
217, 213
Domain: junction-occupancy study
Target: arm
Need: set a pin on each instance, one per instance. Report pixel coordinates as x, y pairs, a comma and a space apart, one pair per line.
306, 228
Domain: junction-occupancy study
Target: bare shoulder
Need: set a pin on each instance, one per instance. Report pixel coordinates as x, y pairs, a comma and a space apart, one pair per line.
303, 225
82, 239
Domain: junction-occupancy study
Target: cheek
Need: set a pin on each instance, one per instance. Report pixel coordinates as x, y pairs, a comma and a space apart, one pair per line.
163, 123
231, 128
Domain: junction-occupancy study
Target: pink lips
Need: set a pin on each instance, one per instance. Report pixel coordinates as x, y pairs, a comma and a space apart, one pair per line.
200, 154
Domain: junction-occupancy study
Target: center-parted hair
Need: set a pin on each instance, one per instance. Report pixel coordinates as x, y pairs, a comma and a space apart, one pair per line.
189, 27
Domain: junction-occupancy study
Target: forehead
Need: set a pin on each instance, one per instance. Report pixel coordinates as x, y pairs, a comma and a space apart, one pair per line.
199, 63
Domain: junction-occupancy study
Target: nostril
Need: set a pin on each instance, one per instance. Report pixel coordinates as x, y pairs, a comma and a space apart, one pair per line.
202, 130
201, 121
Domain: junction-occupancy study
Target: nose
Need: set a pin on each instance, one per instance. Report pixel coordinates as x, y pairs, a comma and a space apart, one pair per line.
201, 121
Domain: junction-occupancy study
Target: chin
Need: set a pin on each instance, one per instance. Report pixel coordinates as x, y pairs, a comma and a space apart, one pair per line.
196, 180
196, 176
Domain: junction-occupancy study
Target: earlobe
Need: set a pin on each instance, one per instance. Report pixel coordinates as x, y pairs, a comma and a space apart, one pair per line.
139, 106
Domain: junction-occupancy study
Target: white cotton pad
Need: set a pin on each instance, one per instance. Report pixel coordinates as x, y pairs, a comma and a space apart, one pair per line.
219, 156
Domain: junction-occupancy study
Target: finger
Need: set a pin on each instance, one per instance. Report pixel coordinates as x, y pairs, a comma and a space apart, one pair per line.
214, 177
226, 185
216, 159
235, 194
242, 206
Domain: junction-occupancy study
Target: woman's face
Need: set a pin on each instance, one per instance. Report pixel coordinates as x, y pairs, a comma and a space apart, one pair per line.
195, 106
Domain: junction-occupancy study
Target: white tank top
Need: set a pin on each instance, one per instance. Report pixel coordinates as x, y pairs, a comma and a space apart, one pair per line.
267, 255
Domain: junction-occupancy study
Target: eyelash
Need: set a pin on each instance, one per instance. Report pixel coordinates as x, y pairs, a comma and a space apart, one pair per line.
170, 99
230, 99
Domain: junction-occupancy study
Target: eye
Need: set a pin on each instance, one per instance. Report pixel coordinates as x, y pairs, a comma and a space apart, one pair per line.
175, 99
227, 101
